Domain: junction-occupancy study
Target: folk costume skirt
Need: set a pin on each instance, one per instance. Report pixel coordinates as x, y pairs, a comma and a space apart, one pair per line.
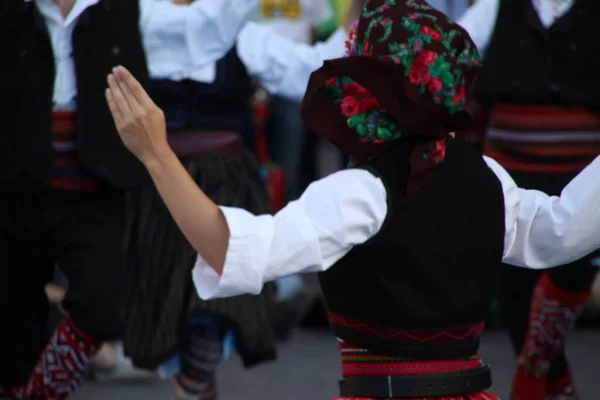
160, 296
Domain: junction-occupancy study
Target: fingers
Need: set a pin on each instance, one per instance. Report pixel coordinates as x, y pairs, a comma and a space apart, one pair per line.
118, 97
114, 109
134, 88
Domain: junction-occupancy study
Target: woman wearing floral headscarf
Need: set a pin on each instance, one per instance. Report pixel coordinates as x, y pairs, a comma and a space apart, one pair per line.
408, 240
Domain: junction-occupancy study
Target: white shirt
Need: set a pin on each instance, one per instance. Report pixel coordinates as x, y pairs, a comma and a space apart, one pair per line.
281, 65
347, 208
176, 38
294, 19
452, 8
480, 19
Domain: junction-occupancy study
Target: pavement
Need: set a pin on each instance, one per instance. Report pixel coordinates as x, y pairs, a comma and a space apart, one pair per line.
308, 367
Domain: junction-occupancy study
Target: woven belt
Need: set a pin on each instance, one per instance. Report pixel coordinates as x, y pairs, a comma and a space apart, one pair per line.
411, 386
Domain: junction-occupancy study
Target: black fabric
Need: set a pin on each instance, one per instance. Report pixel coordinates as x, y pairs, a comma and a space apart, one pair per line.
224, 104
106, 35
81, 232
527, 63
160, 296
516, 285
434, 263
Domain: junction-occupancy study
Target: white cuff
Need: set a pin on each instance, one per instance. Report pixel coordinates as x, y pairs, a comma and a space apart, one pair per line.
240, 273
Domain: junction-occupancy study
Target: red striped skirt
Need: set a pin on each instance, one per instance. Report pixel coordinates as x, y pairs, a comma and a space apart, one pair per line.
360, 362
543, 139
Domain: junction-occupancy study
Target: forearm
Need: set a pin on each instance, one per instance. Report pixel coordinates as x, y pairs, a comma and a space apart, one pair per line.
200, 220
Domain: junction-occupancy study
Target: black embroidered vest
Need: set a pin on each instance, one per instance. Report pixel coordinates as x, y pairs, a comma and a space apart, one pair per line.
432, 268
526, 63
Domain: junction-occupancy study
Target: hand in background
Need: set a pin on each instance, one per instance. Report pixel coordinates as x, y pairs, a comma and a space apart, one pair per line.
140, 123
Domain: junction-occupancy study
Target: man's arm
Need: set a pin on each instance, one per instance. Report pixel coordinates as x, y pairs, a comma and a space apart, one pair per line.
179, 38
282, 65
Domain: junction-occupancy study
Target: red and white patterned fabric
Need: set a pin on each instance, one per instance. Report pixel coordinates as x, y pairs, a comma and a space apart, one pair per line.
17, 393
553, 313
63, 363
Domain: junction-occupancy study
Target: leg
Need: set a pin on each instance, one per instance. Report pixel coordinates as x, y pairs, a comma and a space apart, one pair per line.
26, 267
558, 299
88, 245
515, 291
199, 362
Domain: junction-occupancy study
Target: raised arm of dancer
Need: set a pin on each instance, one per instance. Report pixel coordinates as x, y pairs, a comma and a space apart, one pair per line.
282, 65
545, 231
181, 37
311, 234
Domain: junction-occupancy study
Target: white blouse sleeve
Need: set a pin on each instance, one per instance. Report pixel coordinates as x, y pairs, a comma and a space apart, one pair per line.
282, 65
479, 21
311, 234
181, 38
546, 231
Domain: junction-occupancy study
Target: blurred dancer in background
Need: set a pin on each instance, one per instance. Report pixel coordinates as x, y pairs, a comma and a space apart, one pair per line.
64, 170
544, 128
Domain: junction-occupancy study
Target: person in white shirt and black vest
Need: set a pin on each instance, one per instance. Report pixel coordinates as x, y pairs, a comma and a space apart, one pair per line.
409, 240
64, 170
544, 128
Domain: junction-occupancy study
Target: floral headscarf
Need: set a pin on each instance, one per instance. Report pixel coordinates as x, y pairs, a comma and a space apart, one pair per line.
407, 72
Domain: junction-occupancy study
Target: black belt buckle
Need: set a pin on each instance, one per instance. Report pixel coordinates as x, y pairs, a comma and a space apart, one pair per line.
460, 383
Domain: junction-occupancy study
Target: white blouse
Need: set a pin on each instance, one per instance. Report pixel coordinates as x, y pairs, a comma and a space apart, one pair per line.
347, 208
185, 41
480, 19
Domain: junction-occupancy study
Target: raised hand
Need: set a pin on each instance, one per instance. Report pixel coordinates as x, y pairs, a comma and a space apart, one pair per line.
140, 123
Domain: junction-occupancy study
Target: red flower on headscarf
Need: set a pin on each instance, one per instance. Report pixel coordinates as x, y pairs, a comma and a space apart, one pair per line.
440, 148
435, 36
459, 95
419, 75
426, 57
330, 82
354, 89
439, 153
366, 49
350, 106
368, 104
435, 86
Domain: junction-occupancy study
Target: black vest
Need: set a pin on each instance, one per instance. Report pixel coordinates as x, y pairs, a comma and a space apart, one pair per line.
106, 35
434, 263
224, 104
526, 63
